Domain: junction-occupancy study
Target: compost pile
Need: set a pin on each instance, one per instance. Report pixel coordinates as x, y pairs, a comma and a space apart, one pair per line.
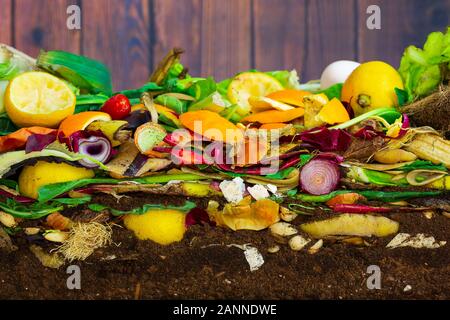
259, 164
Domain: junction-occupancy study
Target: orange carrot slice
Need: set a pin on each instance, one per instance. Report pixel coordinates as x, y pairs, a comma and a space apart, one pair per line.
275, 116
18, 139
345, 198
289, 96
334, 112
212, 126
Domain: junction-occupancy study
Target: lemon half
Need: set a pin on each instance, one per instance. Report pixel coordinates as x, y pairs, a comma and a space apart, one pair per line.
251, 84
38, 99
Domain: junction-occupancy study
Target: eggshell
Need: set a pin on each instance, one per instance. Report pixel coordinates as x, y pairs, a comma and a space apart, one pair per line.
337, 72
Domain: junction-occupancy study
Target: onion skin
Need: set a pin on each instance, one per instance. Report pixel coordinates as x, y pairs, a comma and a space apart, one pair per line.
319, 177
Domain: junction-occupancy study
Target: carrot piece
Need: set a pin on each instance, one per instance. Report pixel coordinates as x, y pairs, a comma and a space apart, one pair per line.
334, 112
289, 96
212, 126
271, 126
275, 116
345, 198
18, 139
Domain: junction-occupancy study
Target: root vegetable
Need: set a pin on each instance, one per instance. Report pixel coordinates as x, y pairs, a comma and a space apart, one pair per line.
83, 239
7, 220
298, 242
56, 236
58, 222
49, 260
316, 247
273, 249
283, 229
31, 231
352, 225
287, 215
394, 156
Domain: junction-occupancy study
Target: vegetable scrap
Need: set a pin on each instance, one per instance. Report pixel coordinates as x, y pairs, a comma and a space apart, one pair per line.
308, 162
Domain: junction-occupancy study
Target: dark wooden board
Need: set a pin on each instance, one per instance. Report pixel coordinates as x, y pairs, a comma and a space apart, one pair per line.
178, 25
6, 22
222, 37
279, 34
117, 32
42, 25
403, 23
331, 35
225, 37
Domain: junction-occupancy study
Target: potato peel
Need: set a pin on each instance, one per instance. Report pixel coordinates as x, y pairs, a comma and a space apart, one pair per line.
362, 225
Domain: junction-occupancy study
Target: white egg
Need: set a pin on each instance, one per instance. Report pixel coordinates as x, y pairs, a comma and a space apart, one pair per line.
337, 72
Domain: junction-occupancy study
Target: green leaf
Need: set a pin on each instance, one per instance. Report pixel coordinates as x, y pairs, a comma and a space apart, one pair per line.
136, 93
9, 183
83, 72
423, 165
202, 89
288, 79
34, 211
280, 175
402, 96
73, 201
50, 191
333, 92
6, 125
292, 192
145, 208
171, 102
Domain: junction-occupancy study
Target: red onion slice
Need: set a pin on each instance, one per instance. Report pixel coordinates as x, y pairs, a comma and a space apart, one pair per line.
319, 177
94, 145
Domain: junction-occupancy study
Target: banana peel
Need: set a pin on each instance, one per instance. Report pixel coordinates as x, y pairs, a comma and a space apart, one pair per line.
441, 184
186, 189
114, 130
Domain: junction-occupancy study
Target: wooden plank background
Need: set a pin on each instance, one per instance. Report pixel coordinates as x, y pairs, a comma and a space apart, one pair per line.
222, 37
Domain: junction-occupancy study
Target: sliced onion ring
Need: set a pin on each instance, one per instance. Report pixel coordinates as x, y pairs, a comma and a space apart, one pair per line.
319, 177
92, 144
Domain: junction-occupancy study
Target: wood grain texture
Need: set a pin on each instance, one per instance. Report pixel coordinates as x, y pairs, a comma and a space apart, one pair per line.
225, 37
331, 34
279, 34
178, 25
403, 23
117, 32
6, 22
42, 25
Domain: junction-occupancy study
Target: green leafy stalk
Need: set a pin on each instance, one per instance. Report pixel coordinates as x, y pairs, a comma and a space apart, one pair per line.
388, 114
385, 196
51, 191
144, 209
39, 210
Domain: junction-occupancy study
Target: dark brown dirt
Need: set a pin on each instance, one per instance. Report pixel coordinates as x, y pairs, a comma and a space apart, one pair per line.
203, 267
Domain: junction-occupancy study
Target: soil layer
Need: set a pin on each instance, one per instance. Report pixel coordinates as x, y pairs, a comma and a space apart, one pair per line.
202, 266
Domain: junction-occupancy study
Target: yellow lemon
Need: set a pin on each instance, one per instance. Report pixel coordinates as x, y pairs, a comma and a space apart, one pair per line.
371, 86
251, 84
38, 99
161, 226
43, 173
